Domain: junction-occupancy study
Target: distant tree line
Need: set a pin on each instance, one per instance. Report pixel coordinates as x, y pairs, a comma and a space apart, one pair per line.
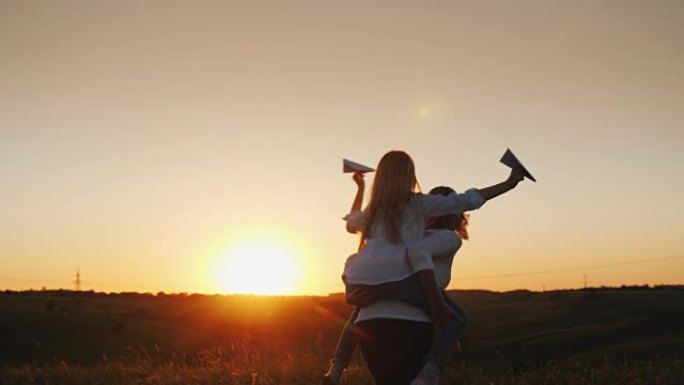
184, 295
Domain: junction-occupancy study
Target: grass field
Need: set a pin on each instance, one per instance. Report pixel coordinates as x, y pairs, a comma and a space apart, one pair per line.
563, 337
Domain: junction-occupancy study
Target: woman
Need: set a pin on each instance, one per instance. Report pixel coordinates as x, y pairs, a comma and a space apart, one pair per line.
446, 235
401, 334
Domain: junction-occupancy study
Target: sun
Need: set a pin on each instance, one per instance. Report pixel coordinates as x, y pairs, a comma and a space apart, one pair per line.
258, 267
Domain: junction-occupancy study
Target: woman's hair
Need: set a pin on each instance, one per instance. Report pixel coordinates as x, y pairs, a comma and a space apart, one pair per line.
460, 220
394, 184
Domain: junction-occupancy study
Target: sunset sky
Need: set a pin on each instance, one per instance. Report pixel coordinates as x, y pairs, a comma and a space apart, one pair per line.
196, 146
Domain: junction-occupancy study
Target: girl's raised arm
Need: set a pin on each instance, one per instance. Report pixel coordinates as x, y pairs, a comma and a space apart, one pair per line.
509, 184
355, 217
361, 186
472, 199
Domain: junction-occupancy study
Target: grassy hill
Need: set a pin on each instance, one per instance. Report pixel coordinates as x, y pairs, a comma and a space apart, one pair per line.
276, 340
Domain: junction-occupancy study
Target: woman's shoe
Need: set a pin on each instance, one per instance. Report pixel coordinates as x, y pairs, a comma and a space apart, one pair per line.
426, 380
333, 376
429, 375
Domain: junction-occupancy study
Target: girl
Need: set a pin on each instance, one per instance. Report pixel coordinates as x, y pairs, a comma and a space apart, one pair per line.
393, 220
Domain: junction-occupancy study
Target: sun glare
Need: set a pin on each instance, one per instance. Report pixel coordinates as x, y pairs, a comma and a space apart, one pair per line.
258, 268
428, 109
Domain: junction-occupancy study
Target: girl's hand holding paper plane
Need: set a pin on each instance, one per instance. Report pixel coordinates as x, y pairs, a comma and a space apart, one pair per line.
358, 178
510, 160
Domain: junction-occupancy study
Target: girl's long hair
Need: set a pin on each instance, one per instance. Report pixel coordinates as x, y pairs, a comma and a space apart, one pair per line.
393, 186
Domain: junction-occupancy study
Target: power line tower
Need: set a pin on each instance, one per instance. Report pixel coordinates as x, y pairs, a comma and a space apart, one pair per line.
78, 279
585, 280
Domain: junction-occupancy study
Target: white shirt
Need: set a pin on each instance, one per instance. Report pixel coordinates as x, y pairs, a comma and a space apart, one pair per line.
392, 310
382, 261
444, 261
401, 310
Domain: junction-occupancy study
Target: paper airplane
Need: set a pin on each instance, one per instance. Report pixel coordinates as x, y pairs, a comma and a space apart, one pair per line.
510, 160
349, 166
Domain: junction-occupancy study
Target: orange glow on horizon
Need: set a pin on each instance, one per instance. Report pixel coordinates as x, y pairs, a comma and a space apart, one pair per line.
270, 263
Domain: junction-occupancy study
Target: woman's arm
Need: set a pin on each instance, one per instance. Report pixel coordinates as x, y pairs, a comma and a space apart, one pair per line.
472, 199
440, 312
509, 184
